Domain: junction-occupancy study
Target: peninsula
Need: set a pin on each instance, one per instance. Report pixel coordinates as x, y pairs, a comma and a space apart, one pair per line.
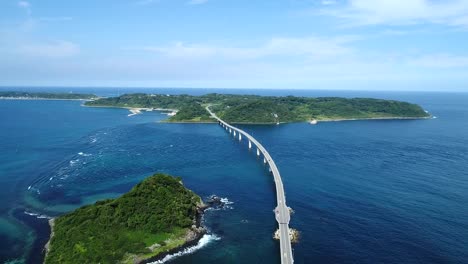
46, 96
157, 216
256, 109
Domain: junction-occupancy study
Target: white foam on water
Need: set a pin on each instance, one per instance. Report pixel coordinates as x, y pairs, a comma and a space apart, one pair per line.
205, 240
31, 214
226, 201
84, 154
39, 216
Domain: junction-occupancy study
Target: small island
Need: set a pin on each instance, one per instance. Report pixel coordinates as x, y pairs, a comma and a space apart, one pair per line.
46, 96
254, 109
159, 215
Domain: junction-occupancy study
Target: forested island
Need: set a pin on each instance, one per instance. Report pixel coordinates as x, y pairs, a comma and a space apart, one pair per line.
266, 109
158, 215
44, 95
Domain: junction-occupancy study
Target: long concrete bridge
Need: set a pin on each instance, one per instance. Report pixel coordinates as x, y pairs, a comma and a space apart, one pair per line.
282, 213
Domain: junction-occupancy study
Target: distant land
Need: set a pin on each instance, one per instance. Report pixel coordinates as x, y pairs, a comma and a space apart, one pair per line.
254, 109
49, 96
158, 216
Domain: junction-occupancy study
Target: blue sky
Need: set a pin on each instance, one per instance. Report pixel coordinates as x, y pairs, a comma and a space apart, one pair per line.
298, 44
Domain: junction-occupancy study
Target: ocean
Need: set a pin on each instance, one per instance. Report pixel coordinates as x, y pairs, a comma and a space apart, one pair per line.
389, 191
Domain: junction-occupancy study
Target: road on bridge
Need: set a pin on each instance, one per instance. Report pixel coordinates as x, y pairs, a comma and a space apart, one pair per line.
282, 212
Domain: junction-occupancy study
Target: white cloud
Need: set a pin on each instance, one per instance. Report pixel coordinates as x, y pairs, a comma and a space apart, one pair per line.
197, 2
440, 61
286, 48
395, 12
328, 2
25, 5
57, 49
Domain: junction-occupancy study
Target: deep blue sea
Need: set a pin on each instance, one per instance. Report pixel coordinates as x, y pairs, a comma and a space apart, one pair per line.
393, 191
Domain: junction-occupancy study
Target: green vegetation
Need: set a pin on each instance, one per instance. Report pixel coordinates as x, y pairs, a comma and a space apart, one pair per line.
40, 95
267, 109
153, 217
140, 100
192, 113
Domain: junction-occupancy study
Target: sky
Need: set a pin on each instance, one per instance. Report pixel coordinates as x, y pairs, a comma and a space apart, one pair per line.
289, 44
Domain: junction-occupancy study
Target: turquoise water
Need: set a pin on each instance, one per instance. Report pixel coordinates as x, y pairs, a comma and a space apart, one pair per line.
362, 191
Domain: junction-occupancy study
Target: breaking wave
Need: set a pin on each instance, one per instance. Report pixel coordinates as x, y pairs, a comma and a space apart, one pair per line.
226, 201
205, 240
39, 216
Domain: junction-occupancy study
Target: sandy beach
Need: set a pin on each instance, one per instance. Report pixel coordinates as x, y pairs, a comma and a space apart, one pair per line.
134, 111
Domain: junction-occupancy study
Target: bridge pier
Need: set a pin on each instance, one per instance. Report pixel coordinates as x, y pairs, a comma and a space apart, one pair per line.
240, 137
234, 133
258, 152
230, 130
264, 160
250, 144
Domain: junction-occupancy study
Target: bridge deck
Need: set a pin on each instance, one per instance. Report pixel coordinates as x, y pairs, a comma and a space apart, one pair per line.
282, 213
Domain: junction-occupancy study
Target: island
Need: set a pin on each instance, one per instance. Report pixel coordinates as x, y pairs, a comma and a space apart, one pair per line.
254, 109
156, 217
46, 96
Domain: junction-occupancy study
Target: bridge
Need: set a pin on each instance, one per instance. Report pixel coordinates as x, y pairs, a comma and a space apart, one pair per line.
282, 213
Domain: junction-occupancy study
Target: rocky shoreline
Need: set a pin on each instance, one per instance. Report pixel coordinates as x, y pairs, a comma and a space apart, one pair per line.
47, 245
193, 235
196, 232
193, 239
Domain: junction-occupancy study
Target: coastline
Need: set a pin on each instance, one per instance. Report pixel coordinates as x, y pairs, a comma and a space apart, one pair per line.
373, 118
187, 244
43, 99
135, 110
187, 122
304, 121
47, 245
128, 107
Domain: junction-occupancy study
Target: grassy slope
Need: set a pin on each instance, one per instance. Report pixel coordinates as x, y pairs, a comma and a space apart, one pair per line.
157, 210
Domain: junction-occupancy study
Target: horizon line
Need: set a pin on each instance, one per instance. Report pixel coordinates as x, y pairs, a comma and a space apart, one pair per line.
223, 88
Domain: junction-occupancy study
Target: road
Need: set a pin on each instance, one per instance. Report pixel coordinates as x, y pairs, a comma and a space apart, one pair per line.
282, 213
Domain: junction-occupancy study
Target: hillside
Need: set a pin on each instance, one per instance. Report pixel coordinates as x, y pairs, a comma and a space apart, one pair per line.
267, 109
155, 216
